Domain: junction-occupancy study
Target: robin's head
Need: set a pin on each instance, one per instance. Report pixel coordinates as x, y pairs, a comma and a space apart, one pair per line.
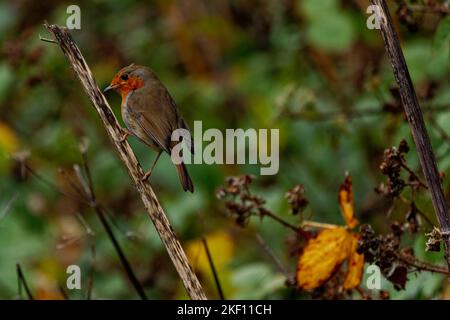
130, 78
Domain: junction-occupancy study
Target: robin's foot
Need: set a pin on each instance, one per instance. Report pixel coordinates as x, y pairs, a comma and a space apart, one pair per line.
147, 175
149, 172
125, 134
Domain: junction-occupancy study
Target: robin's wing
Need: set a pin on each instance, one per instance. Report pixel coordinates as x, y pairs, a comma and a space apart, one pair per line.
154, 130
157, 115
179, 119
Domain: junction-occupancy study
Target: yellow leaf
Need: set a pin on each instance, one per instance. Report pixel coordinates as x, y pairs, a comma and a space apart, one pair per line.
321, 256
346, 202
42, 294
8, 139
355, 266
220, 245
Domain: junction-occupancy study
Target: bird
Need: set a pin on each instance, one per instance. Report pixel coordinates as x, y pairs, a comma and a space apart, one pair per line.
150, 114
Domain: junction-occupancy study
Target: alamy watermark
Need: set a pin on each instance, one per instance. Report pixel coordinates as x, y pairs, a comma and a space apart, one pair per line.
235, 146
73, 21
373, 281
374, 20
74, 279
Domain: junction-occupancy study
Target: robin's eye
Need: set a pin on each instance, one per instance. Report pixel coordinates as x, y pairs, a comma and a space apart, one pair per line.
124, 77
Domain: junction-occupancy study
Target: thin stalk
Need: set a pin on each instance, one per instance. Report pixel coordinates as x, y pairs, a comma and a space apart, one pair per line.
213, 269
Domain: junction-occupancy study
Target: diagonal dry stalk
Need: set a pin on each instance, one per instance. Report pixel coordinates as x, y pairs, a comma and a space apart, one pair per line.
128, 158
416, 122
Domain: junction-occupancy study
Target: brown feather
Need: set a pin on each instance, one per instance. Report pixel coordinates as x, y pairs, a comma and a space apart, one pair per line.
152, 115
185, 179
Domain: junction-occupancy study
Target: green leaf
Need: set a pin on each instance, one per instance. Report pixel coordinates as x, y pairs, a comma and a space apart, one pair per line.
315, 8
442, 36
335, 34
255, 281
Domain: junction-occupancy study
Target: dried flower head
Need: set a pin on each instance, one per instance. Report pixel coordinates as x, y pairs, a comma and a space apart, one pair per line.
296, 199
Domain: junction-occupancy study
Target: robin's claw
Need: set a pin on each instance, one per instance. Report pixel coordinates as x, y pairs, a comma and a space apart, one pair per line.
147, 176
149, 172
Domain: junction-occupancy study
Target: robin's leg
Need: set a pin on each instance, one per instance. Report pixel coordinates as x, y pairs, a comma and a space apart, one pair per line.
125, 134
149, 173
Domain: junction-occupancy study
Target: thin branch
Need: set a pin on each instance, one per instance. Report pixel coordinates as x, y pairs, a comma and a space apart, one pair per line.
353, 114
4, 211
414, 175
422, 265
305, 223
63, 292
89, 177
128, 158
53, 186
47, 40
87, 196
90, 284
85, 225
23, 282
319, 225
290, 280
213, 269
101, 213
73, 184
126, 265
416, 122
442, 133
281, 221
414, 207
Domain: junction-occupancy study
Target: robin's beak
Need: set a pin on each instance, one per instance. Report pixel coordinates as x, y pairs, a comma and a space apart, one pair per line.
110, 87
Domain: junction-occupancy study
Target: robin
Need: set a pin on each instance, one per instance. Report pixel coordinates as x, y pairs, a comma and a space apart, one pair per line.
150, 114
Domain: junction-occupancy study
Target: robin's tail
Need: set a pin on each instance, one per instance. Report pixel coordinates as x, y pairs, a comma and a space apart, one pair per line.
185, 179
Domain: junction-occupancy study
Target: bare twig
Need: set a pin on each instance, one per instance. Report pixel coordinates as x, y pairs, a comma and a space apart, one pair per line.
351, 114
126, 265
89, 193
416, 122
422, 265
90, 284
442, 133
128, 158
53, 186
290, 280
213, 269
63, 292
4, 211
414, 175
304, 223
281, 221
22, 282
47, 40
318, 225
86, 195
414, 207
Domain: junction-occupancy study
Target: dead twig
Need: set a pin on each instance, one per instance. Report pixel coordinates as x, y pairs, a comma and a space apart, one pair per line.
416, 122
22, 282
213, 269
128, 158
89, 194
289, 278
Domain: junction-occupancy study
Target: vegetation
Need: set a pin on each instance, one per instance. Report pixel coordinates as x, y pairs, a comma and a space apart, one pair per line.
349, 173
